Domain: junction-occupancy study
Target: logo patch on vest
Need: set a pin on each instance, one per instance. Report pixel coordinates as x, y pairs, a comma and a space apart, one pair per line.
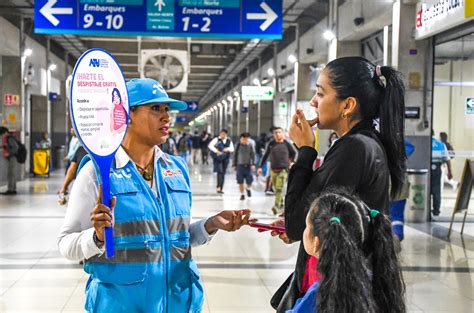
171, 173
120, 173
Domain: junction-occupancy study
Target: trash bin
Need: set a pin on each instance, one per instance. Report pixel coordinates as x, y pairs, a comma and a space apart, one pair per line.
417, 210
59, 155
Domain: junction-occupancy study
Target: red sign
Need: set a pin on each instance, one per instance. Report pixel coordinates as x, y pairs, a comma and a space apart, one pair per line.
8, 99
419, 18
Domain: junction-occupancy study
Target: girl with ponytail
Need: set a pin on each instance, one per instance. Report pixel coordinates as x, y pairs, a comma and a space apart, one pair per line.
357, 260
364, 104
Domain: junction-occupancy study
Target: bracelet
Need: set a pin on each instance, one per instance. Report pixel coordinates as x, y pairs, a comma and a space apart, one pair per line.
99, 243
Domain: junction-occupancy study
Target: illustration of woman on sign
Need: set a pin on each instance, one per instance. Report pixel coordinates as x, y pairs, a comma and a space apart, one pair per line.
118, 118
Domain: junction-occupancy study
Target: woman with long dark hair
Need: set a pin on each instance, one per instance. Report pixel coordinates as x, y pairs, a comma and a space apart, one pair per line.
353, 95
357, 260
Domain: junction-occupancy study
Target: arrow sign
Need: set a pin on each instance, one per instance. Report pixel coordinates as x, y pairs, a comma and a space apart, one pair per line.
192, 106
470, 102
269, 16
48, 12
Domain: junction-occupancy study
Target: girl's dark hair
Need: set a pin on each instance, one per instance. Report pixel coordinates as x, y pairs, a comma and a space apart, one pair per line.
378, 97
357, 259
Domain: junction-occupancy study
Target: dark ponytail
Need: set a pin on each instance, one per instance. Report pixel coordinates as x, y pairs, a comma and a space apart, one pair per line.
380, 94
357, 259
346, 285
342, 261
392, 117
387, 282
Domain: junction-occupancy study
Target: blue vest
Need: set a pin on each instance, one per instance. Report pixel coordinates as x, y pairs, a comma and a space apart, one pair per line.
439, 151
152, 270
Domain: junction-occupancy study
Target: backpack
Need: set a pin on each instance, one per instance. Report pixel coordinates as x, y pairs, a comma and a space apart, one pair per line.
20, 152
183, 145
167, 146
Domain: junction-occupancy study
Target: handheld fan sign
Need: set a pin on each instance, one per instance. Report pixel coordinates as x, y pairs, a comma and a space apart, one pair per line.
99, 111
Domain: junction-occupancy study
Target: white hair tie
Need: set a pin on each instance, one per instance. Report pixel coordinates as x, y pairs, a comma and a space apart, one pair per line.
378, 70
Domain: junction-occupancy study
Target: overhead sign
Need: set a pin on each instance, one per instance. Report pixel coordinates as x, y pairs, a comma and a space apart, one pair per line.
179, 18
435, 16
470, 106
99, 112
181, 119
193, 106
257, 93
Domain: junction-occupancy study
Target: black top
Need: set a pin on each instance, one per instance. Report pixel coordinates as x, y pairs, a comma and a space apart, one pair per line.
196, 142
356, 162
80, 153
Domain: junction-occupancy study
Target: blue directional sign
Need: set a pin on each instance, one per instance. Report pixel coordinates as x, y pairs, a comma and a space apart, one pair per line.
193, 106
181, 119
179, 18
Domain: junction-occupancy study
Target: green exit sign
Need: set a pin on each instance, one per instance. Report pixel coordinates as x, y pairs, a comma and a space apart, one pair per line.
257, 93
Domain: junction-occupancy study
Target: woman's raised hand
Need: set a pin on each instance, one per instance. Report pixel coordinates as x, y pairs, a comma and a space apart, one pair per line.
300, 130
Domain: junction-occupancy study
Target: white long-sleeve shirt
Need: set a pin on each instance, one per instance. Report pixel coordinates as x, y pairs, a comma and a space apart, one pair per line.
75, 239
213, 143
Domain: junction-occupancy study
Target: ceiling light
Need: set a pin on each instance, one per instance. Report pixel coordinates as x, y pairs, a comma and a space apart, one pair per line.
27, 52
255, 81
329, 35
52, 67
224, 102
270, 72
292, 58
230, 99
236, 94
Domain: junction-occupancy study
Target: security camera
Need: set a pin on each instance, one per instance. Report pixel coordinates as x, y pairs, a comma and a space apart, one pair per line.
359, 21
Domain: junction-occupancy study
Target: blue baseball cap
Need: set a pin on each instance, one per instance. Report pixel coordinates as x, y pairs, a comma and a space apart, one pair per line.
143, 91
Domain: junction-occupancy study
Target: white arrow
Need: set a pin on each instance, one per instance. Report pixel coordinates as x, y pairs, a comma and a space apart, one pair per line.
269, 16
194, 106
48, 11
470, 103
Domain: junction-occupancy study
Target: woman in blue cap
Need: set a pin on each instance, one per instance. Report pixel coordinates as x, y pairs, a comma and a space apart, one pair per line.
152, 270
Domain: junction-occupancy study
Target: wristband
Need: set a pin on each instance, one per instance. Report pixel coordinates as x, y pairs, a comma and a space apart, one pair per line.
99, 243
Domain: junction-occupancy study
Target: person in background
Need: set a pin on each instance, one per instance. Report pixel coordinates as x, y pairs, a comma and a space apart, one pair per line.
244, 164
74, 144
260, 146
440, 156
444, 138
397, 204
252, 142
45, 142
196, 147
169, 146
221, 147
281, 154
205, 140
357, 259
9, 149
71, 174
184, 146
332, 139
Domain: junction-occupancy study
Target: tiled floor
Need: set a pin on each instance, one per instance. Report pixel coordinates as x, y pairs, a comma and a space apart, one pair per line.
240, 270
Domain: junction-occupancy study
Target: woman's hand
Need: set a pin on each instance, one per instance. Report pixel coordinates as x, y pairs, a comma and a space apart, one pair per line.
101, 216
300, 129
282, 236
229, 220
